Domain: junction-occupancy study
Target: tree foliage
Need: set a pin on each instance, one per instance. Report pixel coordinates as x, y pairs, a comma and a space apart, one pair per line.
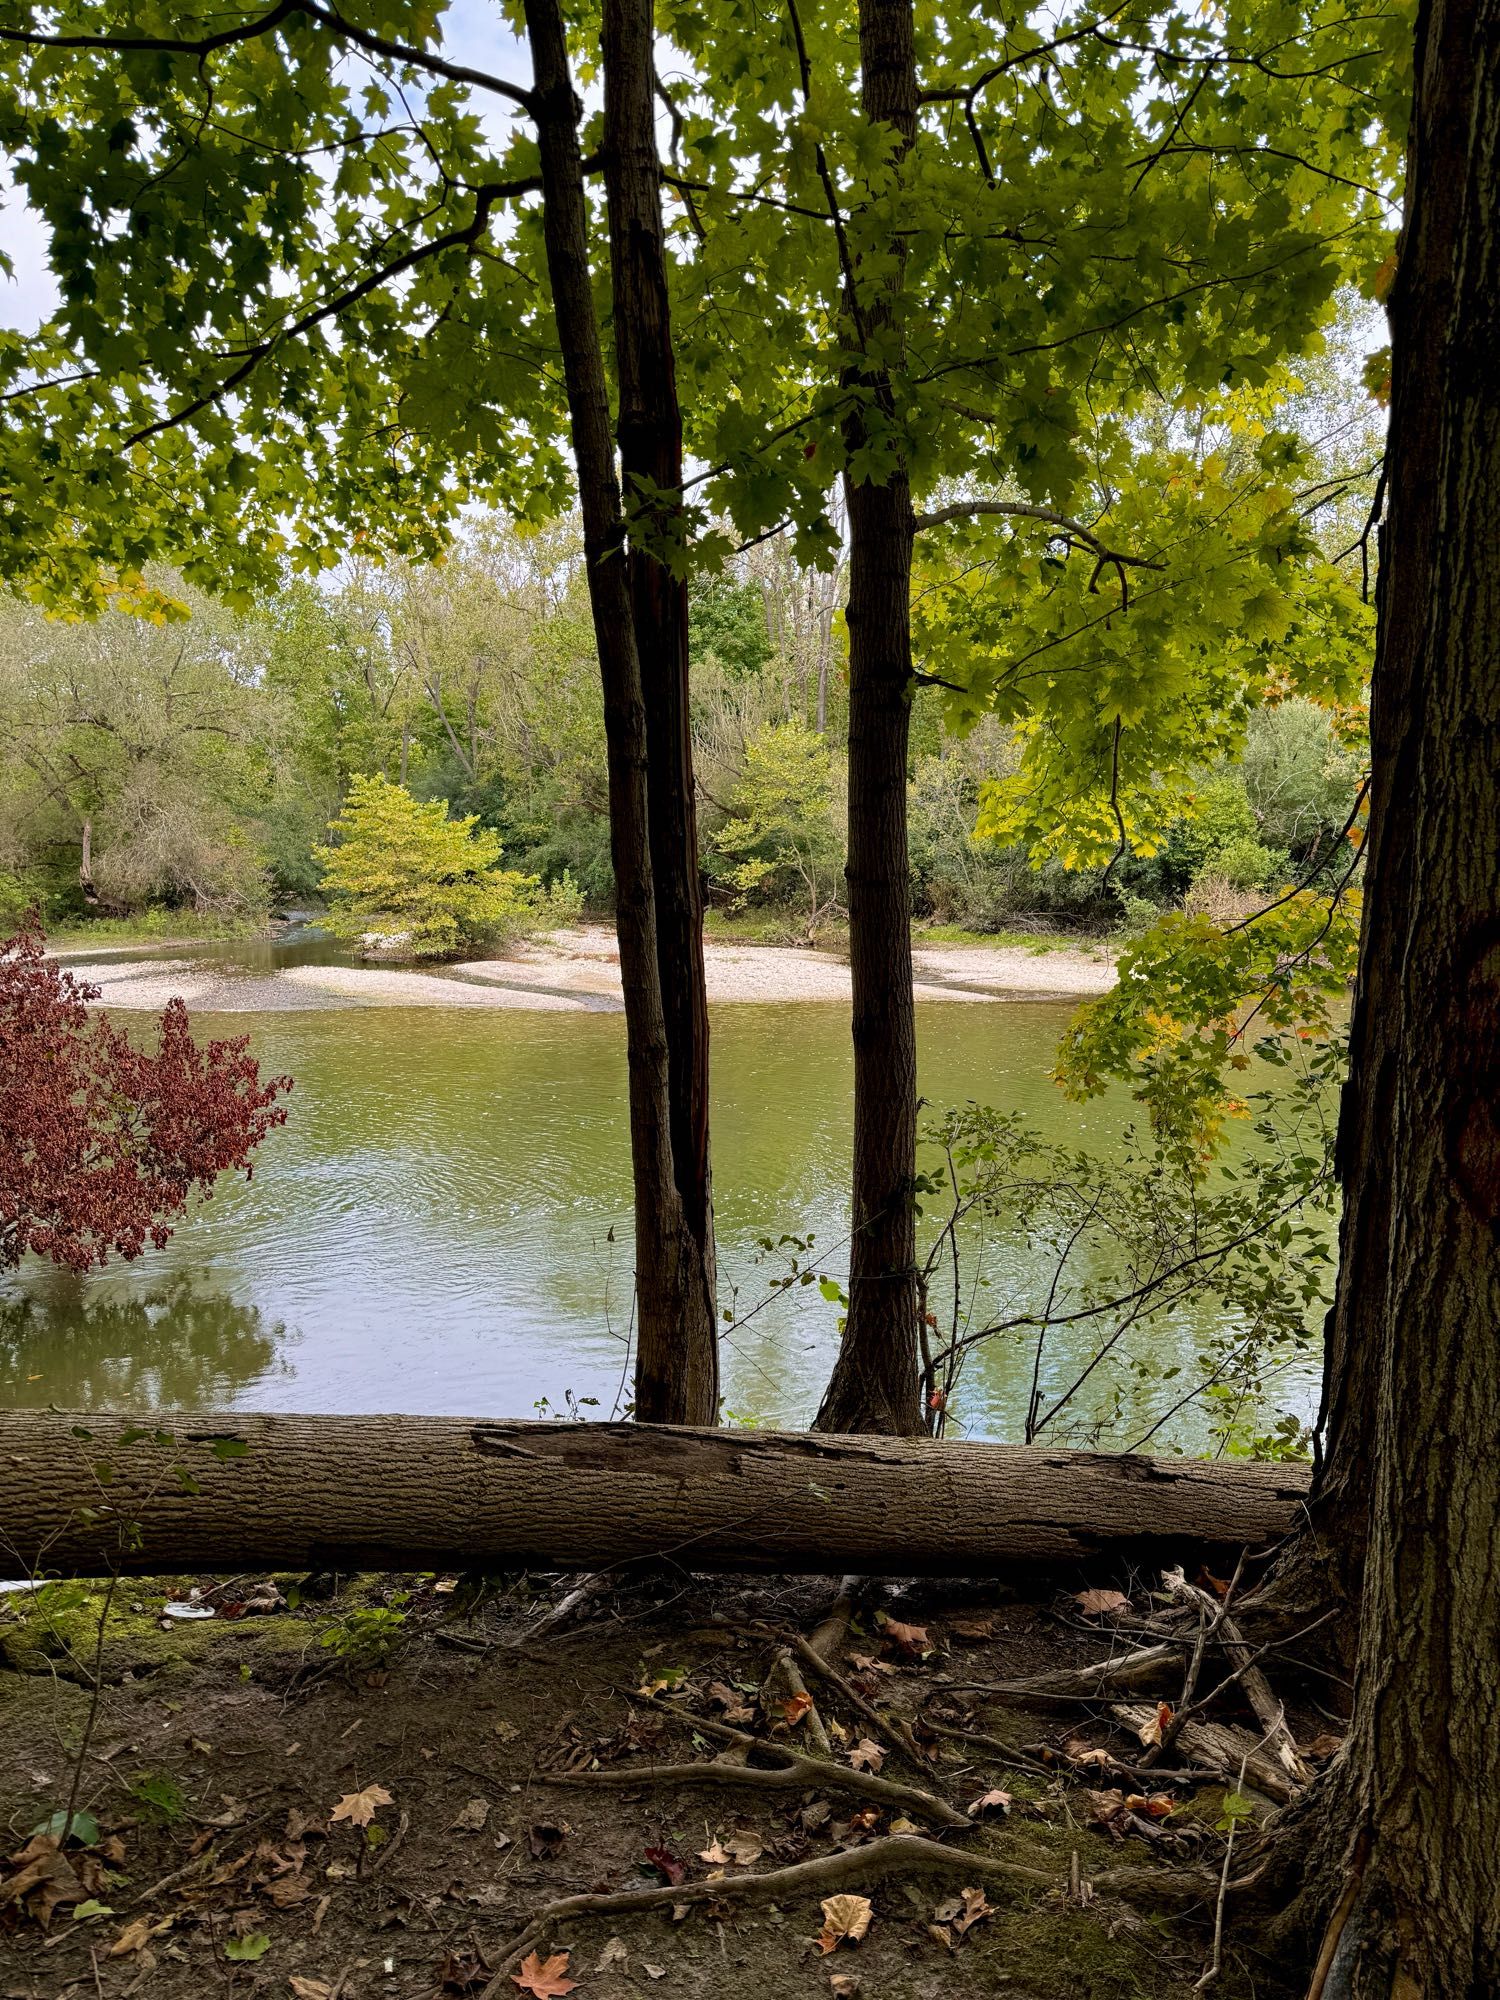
103, 1143
406, 878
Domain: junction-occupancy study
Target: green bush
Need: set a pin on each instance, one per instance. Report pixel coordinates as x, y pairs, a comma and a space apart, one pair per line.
410, 880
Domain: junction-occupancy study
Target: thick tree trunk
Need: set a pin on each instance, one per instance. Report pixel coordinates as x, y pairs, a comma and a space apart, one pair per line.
677, 1375
85, 1493
661, 1230
874, 1386
1411, 1817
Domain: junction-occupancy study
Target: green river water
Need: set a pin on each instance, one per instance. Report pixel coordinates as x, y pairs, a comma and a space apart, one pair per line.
431, 1231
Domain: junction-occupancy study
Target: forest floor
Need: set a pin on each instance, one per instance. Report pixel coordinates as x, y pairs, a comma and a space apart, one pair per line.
578, 970
380, 1793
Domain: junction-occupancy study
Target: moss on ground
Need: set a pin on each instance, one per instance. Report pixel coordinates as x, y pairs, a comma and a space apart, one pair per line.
54, 1631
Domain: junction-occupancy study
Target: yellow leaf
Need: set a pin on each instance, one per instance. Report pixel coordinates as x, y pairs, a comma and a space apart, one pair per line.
845, 1921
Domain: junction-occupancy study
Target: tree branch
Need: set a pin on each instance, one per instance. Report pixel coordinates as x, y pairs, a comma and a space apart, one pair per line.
1026, 510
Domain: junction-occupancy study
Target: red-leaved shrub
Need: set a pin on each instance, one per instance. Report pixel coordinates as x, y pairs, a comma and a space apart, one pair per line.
102, 1143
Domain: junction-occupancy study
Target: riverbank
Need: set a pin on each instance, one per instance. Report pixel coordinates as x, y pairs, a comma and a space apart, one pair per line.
578, 971
379, 1790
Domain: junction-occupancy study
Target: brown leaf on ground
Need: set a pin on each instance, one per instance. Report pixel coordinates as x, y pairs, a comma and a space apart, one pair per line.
990, 1802
843, 1985
43, 1881
359, 1808
304, 1988
911, 1641
795, 1707
544, 1977
131, 1938
867, 1755
730, 1702
745, 1846
845, 1921
815, 1814
287, 1891
1153, 1805
471, 1817
545, 1838
614, 1953
972, 1630
974, 1910
1101, 1603
1322, 1747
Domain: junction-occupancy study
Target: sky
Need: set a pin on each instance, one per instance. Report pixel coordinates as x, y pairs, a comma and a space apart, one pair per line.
474, 32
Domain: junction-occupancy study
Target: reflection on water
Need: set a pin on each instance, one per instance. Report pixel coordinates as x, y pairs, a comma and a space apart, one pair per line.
180, 1344
444, 1224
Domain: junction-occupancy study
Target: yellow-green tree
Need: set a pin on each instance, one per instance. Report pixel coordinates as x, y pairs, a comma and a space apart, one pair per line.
415, 882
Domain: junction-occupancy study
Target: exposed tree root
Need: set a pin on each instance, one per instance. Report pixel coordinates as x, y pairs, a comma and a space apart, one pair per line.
1145, 1666
794, 1772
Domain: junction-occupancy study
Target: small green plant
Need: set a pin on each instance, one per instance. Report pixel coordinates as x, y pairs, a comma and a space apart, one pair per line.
367, 1636
160, 1796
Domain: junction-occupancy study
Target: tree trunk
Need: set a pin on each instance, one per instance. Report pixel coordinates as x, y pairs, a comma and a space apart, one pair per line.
84, 1493
86, 866
1411, 1814
677, 1374
660, 1224
874, 1386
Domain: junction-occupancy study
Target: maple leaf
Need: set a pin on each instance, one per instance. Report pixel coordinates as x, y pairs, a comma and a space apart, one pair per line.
867, 1755
845, 1921
359, 1808
912, 1640
544, 1976
1101, 1603
729, 1702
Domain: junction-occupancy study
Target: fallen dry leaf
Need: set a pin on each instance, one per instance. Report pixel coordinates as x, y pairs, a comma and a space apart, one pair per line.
990, 1802
131, 1938
974, 1910
795, 1707
1150, 1731
867, 1755
287, 1891
506, 1731
1154, 1805
1101, 1603
911, 1640
614, 1953
544, 1977
845, 1921
471, 1818
308, 1989
843, 1985
545, 1838
745, 1846
653, 1971
359, 1808
1322, 1747
972, 1630
730, 1702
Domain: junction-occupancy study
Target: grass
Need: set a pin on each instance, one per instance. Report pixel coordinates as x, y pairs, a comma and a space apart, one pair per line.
152, 927
1020, 940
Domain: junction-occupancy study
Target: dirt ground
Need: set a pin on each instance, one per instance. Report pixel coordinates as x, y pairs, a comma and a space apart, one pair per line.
374, 1790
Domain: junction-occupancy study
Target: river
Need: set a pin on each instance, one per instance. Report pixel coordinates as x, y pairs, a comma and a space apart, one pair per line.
443, 1225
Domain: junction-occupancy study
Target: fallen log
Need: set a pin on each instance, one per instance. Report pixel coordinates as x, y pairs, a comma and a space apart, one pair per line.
84, 1494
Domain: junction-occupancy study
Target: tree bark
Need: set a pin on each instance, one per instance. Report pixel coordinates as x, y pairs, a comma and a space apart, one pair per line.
874, 1386
661, 1231
677, 1374
1411, 1813
84, 1493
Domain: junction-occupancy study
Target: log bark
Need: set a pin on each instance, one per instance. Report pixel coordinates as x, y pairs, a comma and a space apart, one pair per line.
875, 1384
677, 1371
82, 1494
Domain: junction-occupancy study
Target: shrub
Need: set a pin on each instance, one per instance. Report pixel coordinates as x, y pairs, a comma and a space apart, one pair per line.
102, 1143
408, 879
782, 843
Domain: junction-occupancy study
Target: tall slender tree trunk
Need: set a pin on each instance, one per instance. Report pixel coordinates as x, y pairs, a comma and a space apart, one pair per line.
660, 1224
677, 1377
874, 1386
1410, 1819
